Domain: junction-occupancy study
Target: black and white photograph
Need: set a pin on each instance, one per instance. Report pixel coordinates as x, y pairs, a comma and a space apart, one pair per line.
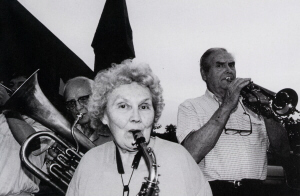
149, 97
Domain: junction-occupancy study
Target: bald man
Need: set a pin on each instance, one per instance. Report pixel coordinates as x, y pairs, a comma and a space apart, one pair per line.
77, 92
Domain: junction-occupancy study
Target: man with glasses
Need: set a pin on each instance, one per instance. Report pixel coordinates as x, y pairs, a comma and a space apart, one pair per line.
76, 95
227, 140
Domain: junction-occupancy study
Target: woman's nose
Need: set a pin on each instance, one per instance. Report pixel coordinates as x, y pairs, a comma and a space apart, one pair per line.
135, 116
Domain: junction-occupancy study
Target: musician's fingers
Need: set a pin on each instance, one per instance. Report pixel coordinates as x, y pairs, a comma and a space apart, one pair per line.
233, 91
243, 82
52, 154
239, 83
48, 162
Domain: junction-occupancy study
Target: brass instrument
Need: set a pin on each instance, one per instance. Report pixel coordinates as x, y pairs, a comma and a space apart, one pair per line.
61, 170
150, 187
267, 103
29, 100
280, 106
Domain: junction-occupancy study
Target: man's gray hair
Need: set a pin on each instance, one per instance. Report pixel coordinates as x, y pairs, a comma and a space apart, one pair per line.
204, 64
78, 79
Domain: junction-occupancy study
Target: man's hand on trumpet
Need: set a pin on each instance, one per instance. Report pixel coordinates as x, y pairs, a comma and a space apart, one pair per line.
233, 91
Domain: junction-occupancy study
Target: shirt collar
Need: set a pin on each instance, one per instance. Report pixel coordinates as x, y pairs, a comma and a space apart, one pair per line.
212, 96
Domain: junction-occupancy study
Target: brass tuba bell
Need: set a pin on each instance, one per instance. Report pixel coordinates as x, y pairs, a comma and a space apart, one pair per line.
29, 100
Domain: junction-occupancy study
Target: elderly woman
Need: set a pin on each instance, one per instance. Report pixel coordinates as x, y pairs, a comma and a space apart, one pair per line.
128, 98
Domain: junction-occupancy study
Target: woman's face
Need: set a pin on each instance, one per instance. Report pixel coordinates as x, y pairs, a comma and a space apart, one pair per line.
129, 107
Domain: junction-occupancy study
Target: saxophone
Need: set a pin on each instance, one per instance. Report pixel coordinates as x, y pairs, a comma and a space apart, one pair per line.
150, 187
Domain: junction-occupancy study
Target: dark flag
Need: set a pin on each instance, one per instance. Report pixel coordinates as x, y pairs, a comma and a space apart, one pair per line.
112, 42
27, 45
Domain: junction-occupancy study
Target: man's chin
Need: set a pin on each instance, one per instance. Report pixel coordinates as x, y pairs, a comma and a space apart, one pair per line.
225, 85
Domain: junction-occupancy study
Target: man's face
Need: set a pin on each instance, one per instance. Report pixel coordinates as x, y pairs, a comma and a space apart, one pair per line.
222, 66
77, 96
15, 83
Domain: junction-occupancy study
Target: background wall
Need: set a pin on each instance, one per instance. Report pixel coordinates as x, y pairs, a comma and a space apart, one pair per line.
263, 35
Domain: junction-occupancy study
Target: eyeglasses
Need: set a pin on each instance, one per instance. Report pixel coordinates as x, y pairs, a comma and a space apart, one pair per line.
238, 131
71, 105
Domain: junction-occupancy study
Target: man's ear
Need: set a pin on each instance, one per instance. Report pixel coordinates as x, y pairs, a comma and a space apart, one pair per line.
203, 74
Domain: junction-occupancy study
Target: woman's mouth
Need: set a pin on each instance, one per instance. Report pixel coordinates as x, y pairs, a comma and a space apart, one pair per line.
137, 136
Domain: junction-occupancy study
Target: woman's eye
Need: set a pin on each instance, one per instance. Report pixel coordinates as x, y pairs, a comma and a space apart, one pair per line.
122, 106
144, 107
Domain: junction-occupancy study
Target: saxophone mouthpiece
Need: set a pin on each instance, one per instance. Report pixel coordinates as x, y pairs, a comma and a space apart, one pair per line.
79, 116
138, 136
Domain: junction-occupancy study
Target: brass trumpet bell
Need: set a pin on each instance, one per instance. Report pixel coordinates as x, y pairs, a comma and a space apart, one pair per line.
285, 102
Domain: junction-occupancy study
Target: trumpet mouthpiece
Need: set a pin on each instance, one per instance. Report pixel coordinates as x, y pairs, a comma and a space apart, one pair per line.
228, 79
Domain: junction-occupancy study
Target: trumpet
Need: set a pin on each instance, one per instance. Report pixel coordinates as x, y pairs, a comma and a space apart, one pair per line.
267, 103
280, 106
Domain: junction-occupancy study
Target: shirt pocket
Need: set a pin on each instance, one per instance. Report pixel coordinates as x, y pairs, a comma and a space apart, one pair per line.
259, 134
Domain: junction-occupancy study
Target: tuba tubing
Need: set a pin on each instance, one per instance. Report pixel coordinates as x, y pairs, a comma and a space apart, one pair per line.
25, 151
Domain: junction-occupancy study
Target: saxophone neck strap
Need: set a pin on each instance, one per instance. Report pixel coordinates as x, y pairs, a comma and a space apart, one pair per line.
121, 171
